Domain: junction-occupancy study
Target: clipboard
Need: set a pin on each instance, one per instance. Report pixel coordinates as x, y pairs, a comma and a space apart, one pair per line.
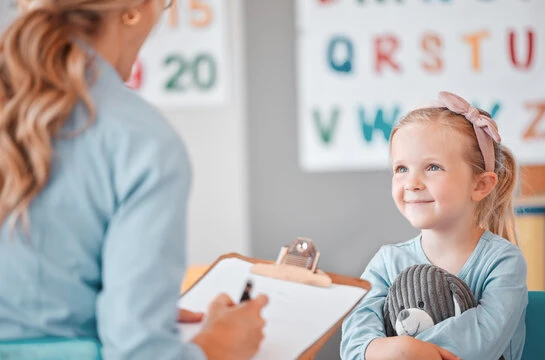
311, 351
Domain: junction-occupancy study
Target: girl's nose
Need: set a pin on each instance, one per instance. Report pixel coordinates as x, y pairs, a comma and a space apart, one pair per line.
414, 183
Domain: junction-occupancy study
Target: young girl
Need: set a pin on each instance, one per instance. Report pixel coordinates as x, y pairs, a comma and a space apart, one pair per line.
453, 180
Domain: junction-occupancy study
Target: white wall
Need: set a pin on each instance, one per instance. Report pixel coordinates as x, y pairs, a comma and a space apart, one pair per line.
216, 141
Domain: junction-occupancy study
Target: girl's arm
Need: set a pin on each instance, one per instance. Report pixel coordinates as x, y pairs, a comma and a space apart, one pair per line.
366, 323
484, 332
363, 335
406, 348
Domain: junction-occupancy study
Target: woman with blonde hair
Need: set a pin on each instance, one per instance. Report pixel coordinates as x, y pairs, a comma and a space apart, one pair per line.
93, 192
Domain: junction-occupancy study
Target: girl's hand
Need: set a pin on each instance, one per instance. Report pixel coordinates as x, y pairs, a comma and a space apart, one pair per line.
425, 350
232, 331
406, 348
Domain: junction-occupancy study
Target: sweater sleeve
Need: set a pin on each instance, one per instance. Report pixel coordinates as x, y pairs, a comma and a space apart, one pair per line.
366, 321
144, 251
484, 332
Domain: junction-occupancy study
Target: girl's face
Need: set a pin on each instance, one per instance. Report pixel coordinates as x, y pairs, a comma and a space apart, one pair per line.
432, 183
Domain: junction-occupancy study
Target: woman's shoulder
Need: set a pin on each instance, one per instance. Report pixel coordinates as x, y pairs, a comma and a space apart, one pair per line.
128, 113
121, 110
128, 130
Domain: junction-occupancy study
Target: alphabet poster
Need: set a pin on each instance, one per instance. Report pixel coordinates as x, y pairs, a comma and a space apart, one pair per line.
363, 64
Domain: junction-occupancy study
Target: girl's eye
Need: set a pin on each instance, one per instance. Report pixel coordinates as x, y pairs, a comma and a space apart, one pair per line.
401, 169
434, 167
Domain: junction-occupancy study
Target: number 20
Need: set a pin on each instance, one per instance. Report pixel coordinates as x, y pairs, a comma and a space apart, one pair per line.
202, 81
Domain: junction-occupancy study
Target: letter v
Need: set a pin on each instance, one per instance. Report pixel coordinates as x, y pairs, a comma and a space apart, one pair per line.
326, 131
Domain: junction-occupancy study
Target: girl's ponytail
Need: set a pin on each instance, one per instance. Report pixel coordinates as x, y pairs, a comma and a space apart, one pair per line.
501, 220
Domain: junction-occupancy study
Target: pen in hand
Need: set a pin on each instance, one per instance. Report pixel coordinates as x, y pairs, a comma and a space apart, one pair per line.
246, 293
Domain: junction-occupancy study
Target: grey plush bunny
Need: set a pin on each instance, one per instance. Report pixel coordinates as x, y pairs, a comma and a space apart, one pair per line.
422, 296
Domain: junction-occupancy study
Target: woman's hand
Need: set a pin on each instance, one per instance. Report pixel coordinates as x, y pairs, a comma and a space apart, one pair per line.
406, 348
232, 331
186, 316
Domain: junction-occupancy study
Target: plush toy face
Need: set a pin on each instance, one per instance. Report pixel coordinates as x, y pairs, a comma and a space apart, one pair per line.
412, 322
421, 296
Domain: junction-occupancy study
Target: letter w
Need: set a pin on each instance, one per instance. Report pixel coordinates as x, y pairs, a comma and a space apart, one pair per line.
381, 123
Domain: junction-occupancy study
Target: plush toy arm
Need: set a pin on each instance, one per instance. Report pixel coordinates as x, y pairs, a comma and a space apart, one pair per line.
366, 322
486, 331
389, 328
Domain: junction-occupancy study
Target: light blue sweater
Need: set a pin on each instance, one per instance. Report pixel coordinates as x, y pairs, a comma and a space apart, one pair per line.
495, 272
105, 253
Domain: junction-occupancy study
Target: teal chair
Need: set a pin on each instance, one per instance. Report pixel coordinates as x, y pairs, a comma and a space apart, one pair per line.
534, 347
51, 349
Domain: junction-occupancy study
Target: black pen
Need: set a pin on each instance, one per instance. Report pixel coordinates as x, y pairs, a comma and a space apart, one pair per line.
246, 293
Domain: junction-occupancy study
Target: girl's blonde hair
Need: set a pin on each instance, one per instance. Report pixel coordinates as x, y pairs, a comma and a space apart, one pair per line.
495, 212
42, 76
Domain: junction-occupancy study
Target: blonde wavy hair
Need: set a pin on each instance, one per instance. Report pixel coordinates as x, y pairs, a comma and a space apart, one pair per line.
42, 76
495, 212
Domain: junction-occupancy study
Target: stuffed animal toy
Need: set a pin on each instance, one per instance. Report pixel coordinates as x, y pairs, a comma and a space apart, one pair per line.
423, 295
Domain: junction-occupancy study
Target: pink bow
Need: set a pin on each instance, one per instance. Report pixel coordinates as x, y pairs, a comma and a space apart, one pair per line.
485, 128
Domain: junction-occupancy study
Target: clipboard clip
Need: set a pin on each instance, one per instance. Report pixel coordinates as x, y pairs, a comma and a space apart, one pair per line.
297, 263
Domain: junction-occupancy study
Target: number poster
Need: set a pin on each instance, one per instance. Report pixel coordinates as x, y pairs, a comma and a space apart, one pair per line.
183, 62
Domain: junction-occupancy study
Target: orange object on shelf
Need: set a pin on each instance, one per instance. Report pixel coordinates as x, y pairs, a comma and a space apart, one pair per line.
193, 273
532, 180
530, 222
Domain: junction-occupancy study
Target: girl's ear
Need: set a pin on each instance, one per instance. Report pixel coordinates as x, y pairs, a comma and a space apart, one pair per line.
484, 184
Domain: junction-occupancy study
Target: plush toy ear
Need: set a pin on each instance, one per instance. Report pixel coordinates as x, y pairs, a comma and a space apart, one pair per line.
462, 296
388, 326
457, 310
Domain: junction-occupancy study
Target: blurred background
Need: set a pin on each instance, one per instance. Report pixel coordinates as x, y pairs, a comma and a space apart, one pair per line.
286, 107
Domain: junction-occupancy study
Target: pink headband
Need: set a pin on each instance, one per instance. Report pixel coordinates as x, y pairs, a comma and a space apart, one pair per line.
485, 128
